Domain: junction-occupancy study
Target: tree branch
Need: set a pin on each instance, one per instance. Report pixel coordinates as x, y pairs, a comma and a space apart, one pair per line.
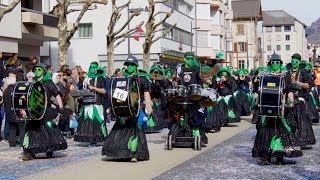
127, 22
160, 12
160, 1
121, 41
9, 8
164, 33
76, 24
88, 1
163, 20
130, 31
120, 8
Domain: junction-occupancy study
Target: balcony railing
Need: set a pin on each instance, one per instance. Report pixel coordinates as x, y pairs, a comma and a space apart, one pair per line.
48, 19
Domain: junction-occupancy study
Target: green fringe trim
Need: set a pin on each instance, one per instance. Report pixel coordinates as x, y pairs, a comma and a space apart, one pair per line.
314, 102
133, 144
26, 141
276, 144
284, 122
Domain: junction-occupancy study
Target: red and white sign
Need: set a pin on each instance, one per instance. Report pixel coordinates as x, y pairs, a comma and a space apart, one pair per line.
139, 32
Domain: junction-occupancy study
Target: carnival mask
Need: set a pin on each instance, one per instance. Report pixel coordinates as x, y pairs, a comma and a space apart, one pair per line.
38, 72
295, 63
275, 65
190, 61
93, 68
131, 68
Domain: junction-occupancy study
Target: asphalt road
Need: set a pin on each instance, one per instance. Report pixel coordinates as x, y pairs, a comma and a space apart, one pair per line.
227, 156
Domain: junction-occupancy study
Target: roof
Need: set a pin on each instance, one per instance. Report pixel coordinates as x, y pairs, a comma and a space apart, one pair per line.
246, 8
278, 17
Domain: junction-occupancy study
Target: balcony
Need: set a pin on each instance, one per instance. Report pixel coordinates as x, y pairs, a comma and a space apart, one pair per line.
217, 30
217, 3
38, 25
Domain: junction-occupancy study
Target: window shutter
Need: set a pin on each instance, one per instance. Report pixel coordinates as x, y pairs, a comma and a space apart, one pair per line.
245, 47
235, 47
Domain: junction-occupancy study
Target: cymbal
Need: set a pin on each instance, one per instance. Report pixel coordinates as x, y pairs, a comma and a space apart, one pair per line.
173, 78
156, 77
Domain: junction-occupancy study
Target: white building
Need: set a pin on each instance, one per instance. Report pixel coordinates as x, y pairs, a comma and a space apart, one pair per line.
213, 29
26, 28
283, 34
89, 42
246, 44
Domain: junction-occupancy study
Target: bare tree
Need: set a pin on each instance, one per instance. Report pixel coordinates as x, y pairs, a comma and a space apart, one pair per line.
8, 9
152, 28
116, 37
62, 10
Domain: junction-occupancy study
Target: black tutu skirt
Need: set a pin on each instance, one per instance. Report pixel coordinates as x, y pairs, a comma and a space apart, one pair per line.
233, 115
91, 130
126, 140
312, 108
43, 136
212, 122
272, 129
304, 132
243, 103
158, 117
221, 112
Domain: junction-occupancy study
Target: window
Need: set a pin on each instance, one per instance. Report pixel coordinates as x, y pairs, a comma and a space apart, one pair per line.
288, 47
278, 48
287, 29
278, 38
287, 37
240, 29
85, 30
242, 46
269, 38
268, 29
203, 38
241, 64
278, 29
179, 35
269, 48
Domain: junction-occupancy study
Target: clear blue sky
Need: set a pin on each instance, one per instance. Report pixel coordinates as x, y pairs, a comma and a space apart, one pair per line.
306, 11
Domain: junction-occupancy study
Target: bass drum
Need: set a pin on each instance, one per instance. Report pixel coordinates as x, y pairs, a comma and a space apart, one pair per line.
125, 97
29, 100
271, 100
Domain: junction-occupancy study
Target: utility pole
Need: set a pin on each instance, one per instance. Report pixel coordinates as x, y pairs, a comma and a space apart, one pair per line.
129, 49
196, 25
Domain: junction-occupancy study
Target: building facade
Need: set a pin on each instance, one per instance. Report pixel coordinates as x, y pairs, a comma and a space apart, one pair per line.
246, 48
284, 35
214, 36
89, 42
24, 30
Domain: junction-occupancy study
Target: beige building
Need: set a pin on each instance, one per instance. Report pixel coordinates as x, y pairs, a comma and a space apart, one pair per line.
26, 28
284, 35
214, 19
246, 43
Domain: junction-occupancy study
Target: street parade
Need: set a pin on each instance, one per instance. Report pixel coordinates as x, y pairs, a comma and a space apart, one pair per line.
136, 112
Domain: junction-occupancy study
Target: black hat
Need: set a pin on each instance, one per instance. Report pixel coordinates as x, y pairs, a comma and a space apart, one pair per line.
43, 66
12, 70
296, 56
132, 60
275, 57
188, 54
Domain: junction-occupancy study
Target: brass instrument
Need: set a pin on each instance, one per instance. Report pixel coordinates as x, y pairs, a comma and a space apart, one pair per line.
242, 77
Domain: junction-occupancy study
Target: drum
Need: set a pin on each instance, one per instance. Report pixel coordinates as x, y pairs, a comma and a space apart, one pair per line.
210, 97
29, 100
271, 97
181, 93
125, 97
170, 93
194, 92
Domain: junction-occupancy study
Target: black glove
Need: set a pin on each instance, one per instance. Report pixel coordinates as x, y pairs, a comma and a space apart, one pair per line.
61, 110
